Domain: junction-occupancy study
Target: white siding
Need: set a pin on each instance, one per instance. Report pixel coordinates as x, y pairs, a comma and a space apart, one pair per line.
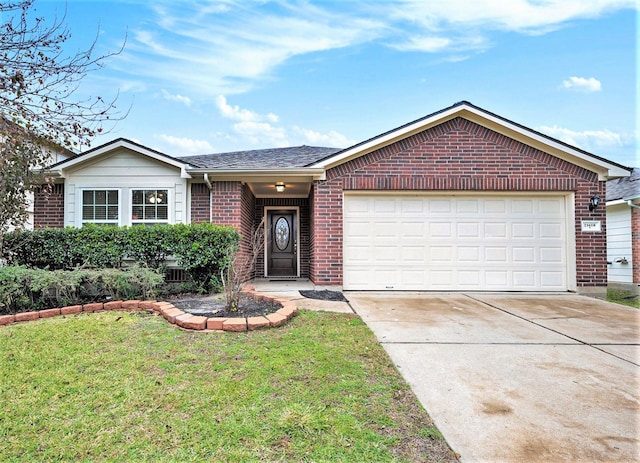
619, 243
125, 170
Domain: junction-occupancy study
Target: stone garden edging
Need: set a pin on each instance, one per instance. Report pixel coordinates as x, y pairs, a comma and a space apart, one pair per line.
172, 314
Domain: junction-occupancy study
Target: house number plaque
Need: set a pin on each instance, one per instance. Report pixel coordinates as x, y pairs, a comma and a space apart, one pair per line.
592, 226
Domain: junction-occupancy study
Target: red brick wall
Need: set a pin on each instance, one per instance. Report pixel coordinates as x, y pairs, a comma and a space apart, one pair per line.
48, 208
457, 155
635, 244
200, 203
226, 204
232, 203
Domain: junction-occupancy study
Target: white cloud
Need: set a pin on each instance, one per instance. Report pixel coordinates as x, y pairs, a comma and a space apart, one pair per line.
238, 114
185, 146
582, 84
440, 20
331, 138
213, 50
179, 98
514, 15
262, 133
230, 47
588, 140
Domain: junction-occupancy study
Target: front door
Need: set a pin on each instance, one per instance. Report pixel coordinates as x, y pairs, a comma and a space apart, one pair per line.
282, 244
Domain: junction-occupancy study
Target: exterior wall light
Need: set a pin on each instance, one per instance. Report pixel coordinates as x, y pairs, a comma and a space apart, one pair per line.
280, 187
593, 202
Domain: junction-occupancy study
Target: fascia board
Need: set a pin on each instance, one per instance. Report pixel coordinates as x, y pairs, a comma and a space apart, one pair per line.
605, 170
260, 175
119, 145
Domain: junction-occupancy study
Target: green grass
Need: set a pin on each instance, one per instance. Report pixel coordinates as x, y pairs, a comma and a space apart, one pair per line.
620, 296
130, 387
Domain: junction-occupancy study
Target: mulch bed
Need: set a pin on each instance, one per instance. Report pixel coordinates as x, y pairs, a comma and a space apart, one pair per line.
324, 295
215, 307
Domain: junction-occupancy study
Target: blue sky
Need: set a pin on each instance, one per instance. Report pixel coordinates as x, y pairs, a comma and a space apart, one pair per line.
213, 76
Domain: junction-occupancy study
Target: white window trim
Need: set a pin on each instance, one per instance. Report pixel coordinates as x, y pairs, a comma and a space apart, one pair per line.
80, 203
143, 221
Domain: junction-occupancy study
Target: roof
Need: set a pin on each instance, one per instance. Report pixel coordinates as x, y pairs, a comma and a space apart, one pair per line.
272, 158
118, 142
625, 187
606, 169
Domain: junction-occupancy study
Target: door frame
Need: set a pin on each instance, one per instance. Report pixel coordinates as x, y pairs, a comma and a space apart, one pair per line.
296, 219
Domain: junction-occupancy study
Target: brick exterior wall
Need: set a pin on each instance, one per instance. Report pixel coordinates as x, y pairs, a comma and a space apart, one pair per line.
48, 207
232, 203
226, 204
457, 155
200, 203
635, 244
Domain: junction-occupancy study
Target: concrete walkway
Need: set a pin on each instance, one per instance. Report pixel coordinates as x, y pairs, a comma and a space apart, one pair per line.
290, 290
517, 378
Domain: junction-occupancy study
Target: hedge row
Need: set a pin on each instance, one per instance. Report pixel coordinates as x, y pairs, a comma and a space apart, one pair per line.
23, 289
200, 249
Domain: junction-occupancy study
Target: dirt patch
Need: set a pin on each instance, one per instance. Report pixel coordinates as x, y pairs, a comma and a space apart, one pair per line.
324, 295
214, 306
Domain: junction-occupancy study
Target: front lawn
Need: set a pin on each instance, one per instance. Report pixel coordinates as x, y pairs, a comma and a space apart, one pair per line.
620, 296
117, 386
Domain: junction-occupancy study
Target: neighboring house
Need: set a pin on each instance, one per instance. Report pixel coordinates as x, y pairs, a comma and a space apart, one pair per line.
461, 199
623, 229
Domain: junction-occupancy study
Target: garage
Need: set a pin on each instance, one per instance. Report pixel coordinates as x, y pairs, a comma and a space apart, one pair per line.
449, 242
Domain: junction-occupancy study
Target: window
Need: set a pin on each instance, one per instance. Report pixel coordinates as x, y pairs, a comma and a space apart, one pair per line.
100, 206
149, 206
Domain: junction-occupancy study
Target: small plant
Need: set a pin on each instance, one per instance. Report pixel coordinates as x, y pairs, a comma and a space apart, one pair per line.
240, 266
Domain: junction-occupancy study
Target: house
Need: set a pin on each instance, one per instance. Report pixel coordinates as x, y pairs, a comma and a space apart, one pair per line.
461, 199
623, 230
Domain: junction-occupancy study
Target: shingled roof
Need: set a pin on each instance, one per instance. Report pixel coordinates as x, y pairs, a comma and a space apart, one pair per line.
273, 158
625, 187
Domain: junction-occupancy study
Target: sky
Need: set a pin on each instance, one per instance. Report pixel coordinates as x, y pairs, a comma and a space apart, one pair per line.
199, 77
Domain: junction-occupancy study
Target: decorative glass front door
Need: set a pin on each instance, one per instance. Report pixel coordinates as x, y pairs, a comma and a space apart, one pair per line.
282, 244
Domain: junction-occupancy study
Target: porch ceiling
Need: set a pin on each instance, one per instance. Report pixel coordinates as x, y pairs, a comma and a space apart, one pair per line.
291, 189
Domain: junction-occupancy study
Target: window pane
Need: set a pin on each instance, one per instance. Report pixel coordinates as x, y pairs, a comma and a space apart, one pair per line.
137, 197
136, 212
113, 212
101, 213
87, 212
113, 196
149, 212
101, 197
87, 197
163, 212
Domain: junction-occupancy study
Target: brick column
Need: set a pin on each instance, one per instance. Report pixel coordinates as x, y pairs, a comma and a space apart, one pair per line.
48, 207
200, 203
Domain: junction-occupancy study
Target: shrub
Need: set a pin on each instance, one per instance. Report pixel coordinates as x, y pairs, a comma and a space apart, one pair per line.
200, 249
23, 289
148, 245
53, 248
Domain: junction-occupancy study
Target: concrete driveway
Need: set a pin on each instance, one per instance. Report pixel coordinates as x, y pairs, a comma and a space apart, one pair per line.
517, 377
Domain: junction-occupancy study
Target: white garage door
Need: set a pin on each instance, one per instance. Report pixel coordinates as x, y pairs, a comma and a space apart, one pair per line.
490, 243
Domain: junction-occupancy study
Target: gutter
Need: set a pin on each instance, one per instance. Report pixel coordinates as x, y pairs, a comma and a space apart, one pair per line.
630, 203
304, 174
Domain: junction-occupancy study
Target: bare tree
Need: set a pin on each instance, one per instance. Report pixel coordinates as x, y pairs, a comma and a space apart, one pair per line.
40, 112
240, 266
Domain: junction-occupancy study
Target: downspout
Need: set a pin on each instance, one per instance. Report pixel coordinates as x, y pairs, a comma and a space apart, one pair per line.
630, 203
207, 181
